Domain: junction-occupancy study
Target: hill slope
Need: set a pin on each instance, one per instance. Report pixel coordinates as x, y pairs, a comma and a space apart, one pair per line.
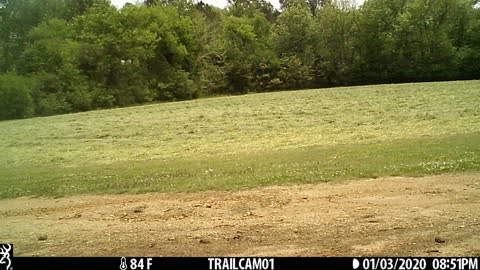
244, 141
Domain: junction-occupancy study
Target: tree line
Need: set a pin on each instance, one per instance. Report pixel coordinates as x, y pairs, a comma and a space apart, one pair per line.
62, 56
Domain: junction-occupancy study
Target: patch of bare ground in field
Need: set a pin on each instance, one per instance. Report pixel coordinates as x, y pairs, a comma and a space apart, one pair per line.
395, 216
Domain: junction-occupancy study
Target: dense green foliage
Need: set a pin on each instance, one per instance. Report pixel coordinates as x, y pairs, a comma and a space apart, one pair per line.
15, 97
79, 55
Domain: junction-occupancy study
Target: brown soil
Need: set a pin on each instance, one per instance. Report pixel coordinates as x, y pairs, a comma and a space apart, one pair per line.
430, 216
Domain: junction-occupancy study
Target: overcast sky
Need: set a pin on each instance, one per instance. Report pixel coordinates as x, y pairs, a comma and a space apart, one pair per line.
218, 3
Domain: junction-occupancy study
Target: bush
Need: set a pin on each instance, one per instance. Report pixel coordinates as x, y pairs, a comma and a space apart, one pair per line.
294, 74
53, 104
15, 97
178, 86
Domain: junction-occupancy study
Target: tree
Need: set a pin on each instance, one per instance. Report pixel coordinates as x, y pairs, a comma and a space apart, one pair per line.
424, 49
414, 40
294, 39
138, 54
336, 50
18, 18
240, 44
314, 5
469, 53
78, 7
77, 55
15, 98
377, 22
250, 8
209, 64
52, 56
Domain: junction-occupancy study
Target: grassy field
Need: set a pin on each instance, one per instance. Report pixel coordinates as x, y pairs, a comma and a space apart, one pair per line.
240, 142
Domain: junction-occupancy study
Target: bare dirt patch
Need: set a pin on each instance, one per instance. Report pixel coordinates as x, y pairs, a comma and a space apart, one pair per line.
429, 216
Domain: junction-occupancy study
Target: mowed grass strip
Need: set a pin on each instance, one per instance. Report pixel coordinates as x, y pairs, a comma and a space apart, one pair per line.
246, 141
408, 157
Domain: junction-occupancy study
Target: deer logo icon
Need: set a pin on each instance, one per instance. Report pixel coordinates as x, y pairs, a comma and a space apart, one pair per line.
5, 251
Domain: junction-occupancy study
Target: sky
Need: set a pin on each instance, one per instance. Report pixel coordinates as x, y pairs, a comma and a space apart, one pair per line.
218, 3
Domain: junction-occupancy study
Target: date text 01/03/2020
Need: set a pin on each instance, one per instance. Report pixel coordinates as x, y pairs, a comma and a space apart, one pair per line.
416, 263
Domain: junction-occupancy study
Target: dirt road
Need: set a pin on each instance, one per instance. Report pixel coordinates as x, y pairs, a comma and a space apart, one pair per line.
430, 216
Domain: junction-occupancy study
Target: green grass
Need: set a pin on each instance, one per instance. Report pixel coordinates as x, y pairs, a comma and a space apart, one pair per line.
231, 143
